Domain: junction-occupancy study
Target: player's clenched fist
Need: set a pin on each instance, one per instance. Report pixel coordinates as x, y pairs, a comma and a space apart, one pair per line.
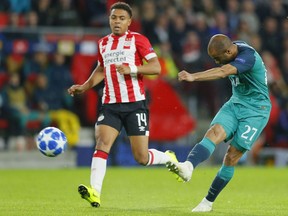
122, 69
184, 75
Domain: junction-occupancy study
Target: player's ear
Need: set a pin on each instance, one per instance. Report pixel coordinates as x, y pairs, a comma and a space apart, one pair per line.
129, 21
228, 51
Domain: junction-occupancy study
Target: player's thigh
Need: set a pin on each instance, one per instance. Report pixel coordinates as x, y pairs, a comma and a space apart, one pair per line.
139, 146
250, 128
107, 128
110, 115
136, 122
105, 137
227, 119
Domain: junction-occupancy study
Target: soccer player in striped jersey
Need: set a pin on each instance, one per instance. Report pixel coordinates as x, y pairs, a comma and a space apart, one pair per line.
120, 65
240, 120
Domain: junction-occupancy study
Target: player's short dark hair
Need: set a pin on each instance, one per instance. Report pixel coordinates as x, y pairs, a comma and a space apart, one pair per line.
122, 6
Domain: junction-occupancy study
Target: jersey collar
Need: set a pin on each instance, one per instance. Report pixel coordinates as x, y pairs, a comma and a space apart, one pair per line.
118, 36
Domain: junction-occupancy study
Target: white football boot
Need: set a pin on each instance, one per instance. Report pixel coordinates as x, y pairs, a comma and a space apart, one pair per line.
182, 170
203, 206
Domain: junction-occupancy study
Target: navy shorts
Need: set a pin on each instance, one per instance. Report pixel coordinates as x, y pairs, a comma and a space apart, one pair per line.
134, 117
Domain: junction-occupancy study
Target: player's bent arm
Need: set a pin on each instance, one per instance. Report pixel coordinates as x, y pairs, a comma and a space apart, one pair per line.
211, 74
151, 68
95, 78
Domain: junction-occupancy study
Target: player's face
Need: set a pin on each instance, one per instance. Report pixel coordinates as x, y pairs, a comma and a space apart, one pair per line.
119, 21
222, 58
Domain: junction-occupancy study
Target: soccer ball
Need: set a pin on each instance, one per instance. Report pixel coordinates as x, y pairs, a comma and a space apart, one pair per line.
51, 141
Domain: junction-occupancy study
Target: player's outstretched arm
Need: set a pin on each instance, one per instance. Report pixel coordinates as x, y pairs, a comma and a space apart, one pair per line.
185, 76
95, 78
211, 74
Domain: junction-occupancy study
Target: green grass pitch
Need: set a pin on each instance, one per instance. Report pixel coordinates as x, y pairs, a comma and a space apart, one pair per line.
142, 191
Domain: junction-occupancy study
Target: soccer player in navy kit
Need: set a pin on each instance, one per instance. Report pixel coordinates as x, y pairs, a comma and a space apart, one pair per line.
240, 120
120, 65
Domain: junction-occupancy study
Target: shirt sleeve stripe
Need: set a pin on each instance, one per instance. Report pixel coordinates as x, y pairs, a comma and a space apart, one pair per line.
150, 56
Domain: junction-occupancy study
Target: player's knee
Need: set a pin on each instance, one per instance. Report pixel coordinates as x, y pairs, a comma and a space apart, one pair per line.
216, 134
142, 159
103, 145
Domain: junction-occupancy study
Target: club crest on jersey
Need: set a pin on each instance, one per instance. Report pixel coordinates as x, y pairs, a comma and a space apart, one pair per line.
127, 44
101, 117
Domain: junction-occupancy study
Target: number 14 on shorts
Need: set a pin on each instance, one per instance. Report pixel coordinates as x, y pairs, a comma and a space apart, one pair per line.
142, 121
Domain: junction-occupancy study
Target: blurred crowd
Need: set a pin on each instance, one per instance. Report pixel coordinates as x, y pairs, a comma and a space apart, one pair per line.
179, 30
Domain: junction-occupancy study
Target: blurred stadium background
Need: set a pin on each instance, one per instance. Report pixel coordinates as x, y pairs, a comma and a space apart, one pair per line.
46, 45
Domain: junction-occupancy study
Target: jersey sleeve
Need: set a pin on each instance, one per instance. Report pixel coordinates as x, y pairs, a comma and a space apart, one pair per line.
144, 47
244, 61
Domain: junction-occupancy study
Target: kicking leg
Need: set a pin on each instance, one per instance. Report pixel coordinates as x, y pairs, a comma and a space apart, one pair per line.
201, 152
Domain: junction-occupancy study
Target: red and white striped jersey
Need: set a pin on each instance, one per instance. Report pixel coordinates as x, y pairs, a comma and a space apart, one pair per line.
128, 49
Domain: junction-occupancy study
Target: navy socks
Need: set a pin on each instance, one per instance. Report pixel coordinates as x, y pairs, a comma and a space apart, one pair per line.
221, 180
201, 152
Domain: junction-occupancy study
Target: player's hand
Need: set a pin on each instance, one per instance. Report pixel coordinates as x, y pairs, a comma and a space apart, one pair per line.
185, 76
76, 89
122, 69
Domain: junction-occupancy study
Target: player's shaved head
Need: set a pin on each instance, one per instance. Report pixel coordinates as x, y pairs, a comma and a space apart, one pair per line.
218, 44
222, 49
